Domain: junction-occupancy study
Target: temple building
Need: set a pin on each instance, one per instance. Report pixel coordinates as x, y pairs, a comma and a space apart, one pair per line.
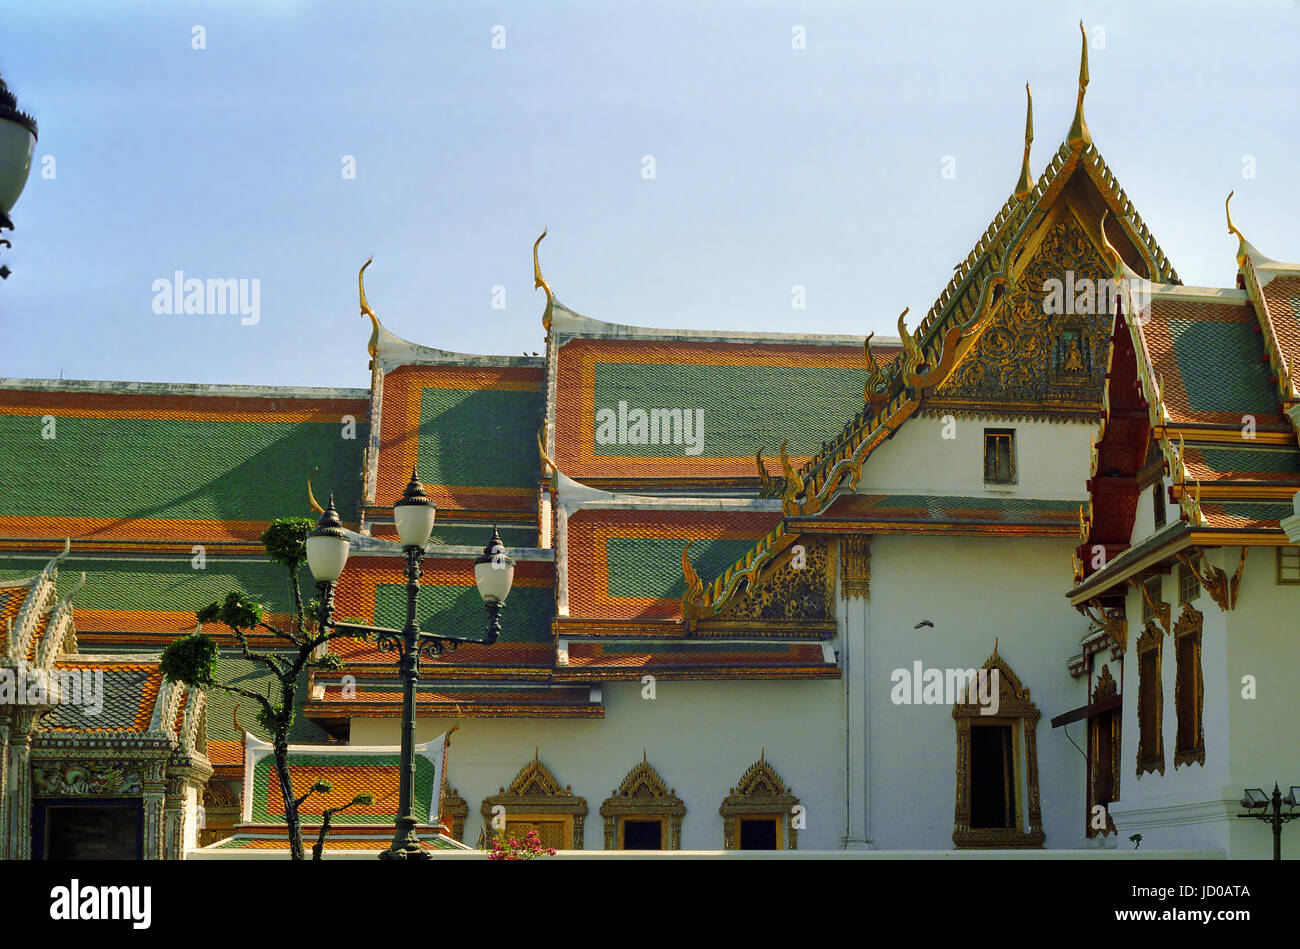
772, 591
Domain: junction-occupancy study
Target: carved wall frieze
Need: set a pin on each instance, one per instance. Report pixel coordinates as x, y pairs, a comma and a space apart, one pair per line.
85, 779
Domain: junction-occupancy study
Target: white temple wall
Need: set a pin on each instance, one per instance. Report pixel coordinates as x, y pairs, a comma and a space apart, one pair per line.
972, 589
700, 736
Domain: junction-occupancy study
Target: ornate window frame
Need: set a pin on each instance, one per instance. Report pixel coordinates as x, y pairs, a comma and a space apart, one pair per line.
643, 795
1151, 640
455, 809
1188, 627
535, 795
1112, 720
1016, 710
761, 794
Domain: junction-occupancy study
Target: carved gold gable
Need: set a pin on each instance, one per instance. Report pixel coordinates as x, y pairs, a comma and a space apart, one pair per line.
797, 591
1032, 361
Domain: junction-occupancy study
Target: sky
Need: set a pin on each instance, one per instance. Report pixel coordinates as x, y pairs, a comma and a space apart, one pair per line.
852, 149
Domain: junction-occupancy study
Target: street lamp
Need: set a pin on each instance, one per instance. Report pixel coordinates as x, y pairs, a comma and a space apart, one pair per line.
327, 552
17, 140
1256, 801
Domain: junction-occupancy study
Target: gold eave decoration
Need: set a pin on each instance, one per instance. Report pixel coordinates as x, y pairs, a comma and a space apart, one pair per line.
693, 605
1159, 610
373, 345
767, 485
539, 283
1112, 620
875, 377
1214, 580
1079, 135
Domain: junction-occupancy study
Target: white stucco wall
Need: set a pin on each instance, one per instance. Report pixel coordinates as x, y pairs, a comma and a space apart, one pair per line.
700, 736
1052, 460
973, 589
1263, 642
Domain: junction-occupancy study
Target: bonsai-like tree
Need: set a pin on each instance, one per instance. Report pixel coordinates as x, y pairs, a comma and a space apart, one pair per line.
192, 660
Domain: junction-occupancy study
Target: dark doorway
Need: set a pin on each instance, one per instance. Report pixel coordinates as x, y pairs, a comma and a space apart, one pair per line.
992, 780
77, 830
758, 835
643, 835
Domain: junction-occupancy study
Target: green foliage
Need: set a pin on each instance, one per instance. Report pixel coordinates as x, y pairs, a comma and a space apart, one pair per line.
191, 660
277, 715
286, 540
365, 800
322, 787
330, 662
235, 612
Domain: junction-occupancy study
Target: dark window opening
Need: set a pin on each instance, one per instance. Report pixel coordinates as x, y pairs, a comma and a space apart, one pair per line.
1158, 504
758, 834
1148, 734
92, 832
992, 777
1189, 726
643, 835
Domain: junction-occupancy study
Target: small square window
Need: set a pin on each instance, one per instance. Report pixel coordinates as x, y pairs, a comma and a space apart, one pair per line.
1189, 588
999, 456
1288, 565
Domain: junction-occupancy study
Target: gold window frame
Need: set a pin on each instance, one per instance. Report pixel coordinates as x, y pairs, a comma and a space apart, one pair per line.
643, 795
1112, 721
1014, 709
760, 795
1188, 627
1150, 759
991, 436
536, 796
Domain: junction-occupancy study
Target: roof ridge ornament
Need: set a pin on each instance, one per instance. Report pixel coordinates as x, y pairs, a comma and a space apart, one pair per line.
912, 356
1244, 247
1079, 136
373, 345
875, 376
1026, 183
539, 283
312, 503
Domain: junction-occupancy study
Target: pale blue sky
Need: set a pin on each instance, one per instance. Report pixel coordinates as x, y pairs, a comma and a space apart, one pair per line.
774, 166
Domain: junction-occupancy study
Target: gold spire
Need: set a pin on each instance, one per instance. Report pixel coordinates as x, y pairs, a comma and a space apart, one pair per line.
1026, 183
539, 283
1079, 134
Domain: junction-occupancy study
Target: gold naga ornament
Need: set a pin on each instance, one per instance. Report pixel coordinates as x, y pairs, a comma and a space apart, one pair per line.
1026, 183
539, 283
691, 606
312, 504
373, 345
1214, 579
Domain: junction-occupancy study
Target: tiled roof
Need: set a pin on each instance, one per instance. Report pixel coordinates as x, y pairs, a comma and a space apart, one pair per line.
473, 430
130, 693
383, 697
127, 467
1282, 296
373, 591
134, 600
605, 659
1210, 462
751, 396
1050, 514
225, 737
270, 839
1246, 515
1210, 356
627, 563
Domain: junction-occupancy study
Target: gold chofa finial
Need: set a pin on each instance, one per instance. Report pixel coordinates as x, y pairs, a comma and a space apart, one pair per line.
1113, 257
1232, 229
1079, 134
539, 283
365, 308
1026, 183
311, 498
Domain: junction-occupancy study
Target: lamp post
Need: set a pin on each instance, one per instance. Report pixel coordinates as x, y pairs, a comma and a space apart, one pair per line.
327, 552
1256, 802
17, 140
